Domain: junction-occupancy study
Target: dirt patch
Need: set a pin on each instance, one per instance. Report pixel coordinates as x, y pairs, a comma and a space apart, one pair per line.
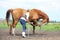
39, 35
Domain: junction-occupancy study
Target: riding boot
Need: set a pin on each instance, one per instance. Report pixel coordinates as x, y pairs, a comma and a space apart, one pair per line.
23, 34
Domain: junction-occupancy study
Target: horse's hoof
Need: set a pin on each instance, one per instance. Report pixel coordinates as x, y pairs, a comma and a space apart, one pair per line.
13, 34
33, 33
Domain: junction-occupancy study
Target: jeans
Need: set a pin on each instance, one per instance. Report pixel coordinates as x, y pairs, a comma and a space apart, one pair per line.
23, 23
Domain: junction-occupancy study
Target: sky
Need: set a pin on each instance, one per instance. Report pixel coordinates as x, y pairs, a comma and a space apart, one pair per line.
50, 7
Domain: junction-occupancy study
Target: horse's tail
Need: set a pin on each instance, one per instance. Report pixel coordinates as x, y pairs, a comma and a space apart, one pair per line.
7, 15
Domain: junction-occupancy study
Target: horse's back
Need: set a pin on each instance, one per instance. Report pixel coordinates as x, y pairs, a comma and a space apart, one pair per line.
18, 12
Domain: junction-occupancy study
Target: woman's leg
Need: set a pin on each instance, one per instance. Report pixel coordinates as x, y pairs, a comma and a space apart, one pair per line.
23, 22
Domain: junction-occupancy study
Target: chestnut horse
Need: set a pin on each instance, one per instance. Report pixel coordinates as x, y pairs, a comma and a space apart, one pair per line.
16, 14
34, 16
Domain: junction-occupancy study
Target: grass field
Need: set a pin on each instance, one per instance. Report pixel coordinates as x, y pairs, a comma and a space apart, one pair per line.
48, 27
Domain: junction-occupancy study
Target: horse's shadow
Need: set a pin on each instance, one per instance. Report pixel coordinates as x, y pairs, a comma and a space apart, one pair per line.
18, 34
41, 34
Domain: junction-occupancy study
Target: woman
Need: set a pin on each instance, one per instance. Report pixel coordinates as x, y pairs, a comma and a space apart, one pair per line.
23, 20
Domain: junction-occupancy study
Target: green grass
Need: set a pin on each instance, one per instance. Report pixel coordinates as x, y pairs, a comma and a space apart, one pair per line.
48, 27
3, 25
51, 27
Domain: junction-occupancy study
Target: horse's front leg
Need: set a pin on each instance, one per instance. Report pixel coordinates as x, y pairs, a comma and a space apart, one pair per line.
10, 30
33, 29
34, 24
44, 21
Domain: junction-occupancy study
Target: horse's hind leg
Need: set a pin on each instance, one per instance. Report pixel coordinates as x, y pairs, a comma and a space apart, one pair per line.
14, 25
33, 29
35, 24
43, 22
10, 30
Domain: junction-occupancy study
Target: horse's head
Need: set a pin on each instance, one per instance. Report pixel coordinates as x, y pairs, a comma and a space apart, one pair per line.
44, 21
38, 14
